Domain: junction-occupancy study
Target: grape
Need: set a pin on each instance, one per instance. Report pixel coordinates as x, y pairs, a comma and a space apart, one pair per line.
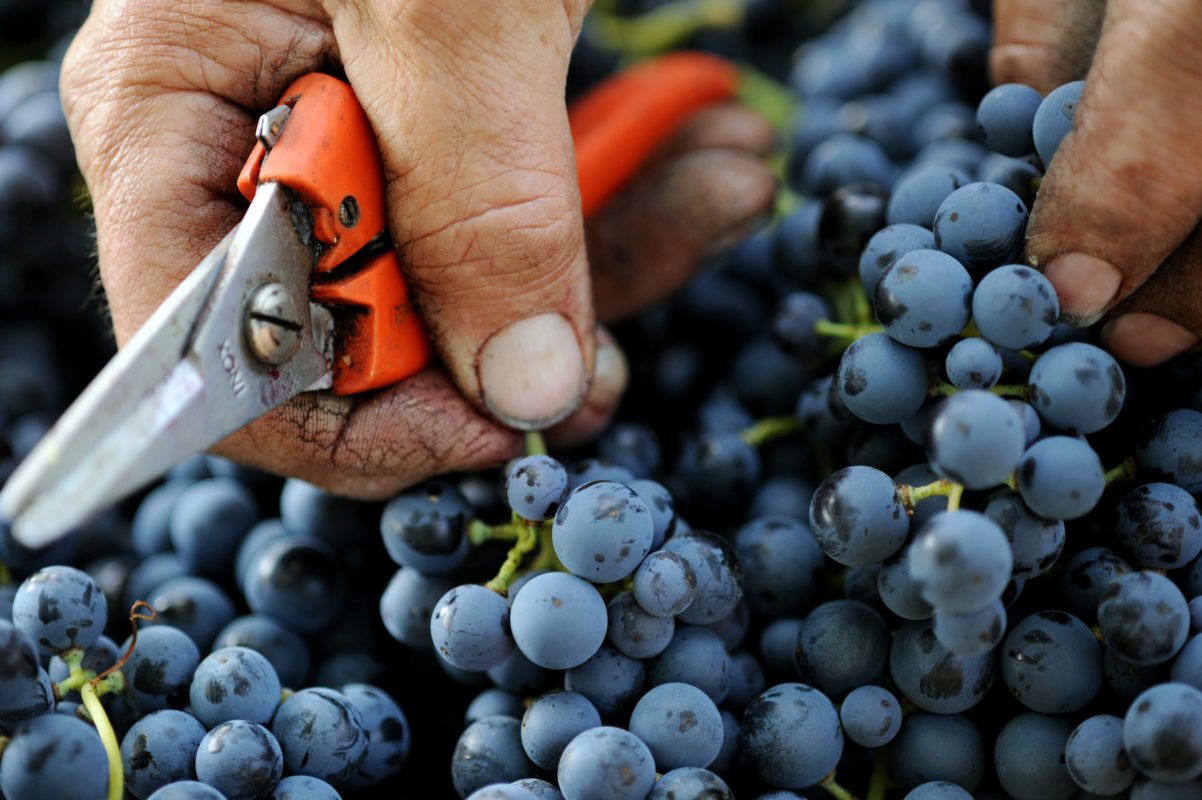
780, 559
240, 759
793, 324
718, 467
975, 439
489, 751
719, 575
971, 633
19, 667
938, 747
588, 470
1163, 732
887, 246
664, 584
845, 159
981, 225
871, 716
1053, 119
919, 193
519, 675
881, 381
934, 678
661, 505
679, 724
60, 607
1144, 618
1052, 663
857, 517
973, 364
160, 670
150, 530
777, 644
536, 486
304, 787
937, 790
188, 790
1187, 666
695, 656
610, 680
54, 756
426, 528
259, 536
1061, 478
387, 734
790, 736
558, 620
1144, 789
1016, 307
470, 628
842, 645
796, 237
551, 722
691, 782
406, 606
1126, 679
307, 510
493, 703
630, 445
1159, 526
1030, 759
1077, 387
747, 679
1004, 118
159, 749
1096, 758
1035, 542
1169, 448
1018, 175
899, 592
234, 683
961, 561
148, 575
1086, 576
602, 531
208, 522
322, 734
296, 580
197, 606
606, 764
502, 791
634, 632
923, 299
540, 789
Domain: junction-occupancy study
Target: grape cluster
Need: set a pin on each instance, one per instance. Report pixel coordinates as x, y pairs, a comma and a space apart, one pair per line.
872, 523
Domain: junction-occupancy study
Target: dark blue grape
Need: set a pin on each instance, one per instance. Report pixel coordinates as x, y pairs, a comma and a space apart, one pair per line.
426, 528
857, 517
1015, 307
796, 241
719, 575
470, 628
1159, 526
602, 531
387, 734
730, 744
160, 749
60, 607
535, 486
240, 759
975, 439
680, 724
842, 645
606, 764
937, 790
938, 747
696, 656
1051, 663
1144, 618
1163, 732
196, 606
19, 667
934, 678
718, 468
208, 521
961, 561
766, 378
558, 620
777, 643
793, 323
234, 683
304, 787
322, 734
782, 495
187, 790
610, 680
1169, 448
407, 603
1035, 542
971, 633
881, 381
287, 652
632, 445
1187, 666
150, 573
981, 225
747, 679
538, 788
634, 632
29, 699
1019, 175
1032, 426
1004, 118
150, 530
502, 791
298, 581
887, 246
493, 703
664, 584
871, 716
1029, 757
661, 505
551, 722
923, 299
919, 193
780, 560
307, 510
1096, 758
1144, 789
1128, 680
973, 364
1061, 478
846, 159
519, 675
160, 670
899, 592
691, 782
54, 756
588, 470
258, 537
1077, 387
1054, 119
950, 120
790, 736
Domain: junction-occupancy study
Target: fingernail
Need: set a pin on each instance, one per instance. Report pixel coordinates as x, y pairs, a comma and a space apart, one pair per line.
738, 232
1144, 340
610, 373
1086, 286
532, 371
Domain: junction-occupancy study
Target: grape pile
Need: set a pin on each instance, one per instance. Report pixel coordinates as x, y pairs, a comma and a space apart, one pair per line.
872, 523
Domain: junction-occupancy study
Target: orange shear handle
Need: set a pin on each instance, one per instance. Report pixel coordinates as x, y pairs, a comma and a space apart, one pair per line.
327, 153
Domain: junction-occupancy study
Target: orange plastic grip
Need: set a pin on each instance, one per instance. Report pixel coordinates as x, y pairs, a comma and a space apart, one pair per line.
618, 124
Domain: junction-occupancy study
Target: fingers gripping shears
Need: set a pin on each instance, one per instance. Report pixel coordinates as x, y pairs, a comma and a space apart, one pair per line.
306, 293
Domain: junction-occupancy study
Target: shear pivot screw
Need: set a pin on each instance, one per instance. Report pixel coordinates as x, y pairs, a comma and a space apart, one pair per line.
273, 327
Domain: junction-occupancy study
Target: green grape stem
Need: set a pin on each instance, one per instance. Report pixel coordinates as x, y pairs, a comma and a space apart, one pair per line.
535, 444
479, 532
844, 331
835, 790
527, 539
878, 784
1125, 471
108, 737
911, 496
770, 429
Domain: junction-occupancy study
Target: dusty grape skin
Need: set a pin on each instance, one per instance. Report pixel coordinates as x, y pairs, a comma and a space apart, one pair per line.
791, 736
1144, 618
857, 517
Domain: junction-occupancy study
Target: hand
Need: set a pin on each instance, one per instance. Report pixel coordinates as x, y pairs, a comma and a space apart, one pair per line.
467, 102
1115, 226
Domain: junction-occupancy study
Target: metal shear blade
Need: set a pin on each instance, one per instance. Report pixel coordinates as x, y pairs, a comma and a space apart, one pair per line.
188, 378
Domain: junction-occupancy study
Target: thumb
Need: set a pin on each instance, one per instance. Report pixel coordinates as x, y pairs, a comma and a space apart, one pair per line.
1125, 187
467, 100
1043, 43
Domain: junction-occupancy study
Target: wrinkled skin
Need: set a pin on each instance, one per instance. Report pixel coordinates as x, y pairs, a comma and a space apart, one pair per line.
466, 100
